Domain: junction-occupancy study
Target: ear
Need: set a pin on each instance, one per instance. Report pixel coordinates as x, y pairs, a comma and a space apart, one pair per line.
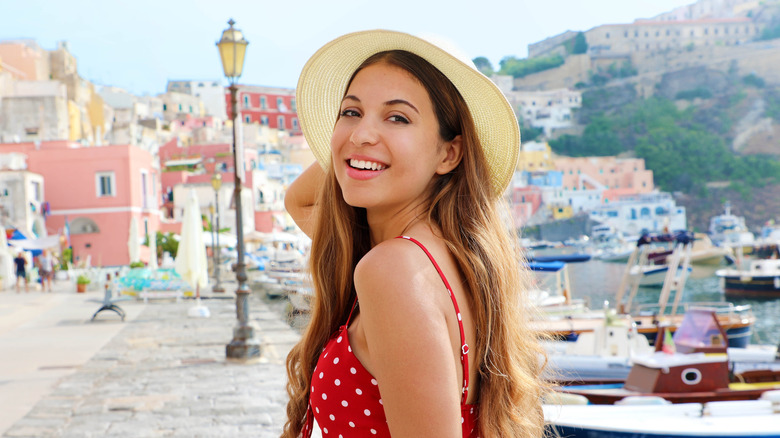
452, 154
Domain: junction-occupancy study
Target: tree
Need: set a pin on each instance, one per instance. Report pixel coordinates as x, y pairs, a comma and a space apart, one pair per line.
580, 44
483, 65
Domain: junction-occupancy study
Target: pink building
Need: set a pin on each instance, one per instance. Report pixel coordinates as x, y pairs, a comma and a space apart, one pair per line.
194, 166
97, 191
588, 173
269, 106
525, 203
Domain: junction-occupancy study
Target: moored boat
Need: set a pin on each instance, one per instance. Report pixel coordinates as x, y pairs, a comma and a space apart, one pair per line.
692, 368
761, 279
722, 419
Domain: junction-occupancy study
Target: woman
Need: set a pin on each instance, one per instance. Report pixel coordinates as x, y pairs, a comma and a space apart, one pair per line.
423, 335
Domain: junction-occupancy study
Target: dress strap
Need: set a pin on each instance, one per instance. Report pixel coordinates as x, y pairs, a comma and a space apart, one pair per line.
464, 347
354, 306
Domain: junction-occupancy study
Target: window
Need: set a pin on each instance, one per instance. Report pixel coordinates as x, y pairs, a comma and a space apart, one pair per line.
264, 120
293, 105
144, 190
644, 212
295, 124
246, 101
607, 34
279, 103
165, 107
36, 190
105, 184
280, 123
247, 119
179, 107
263, 103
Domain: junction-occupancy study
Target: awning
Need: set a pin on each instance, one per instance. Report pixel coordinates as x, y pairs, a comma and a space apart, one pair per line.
183, 162
36, 244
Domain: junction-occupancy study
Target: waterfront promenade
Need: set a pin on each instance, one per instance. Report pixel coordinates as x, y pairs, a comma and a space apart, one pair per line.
158, 373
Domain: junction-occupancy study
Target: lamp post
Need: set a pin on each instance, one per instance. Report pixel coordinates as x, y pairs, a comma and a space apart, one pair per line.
216, 182
244, 346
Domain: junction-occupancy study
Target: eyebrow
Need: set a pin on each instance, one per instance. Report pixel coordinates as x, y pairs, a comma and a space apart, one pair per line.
388, 103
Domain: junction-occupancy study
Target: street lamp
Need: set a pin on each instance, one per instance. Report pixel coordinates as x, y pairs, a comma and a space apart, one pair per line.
244, 346
216, 182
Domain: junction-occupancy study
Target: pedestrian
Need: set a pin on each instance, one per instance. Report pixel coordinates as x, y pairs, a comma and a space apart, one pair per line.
46, 269
419, 324
21, 271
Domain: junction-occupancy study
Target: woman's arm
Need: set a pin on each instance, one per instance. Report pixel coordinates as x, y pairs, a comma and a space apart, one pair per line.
410, 353
301, 196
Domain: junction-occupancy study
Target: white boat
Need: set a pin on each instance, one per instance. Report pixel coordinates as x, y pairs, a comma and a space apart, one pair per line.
650, 418
729, 230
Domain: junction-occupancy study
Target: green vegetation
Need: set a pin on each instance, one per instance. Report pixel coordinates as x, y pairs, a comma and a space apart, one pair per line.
483, 65
753, 80
529, 133
137, 265
519, 68
83, 279
698, 92
770, 32
580, 45
165, 243
679, 146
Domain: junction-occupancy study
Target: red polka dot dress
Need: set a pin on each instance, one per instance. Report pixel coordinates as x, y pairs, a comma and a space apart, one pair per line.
345, 398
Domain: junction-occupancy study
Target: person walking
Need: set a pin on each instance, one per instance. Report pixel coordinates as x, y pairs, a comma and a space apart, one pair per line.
419, 323
46, 269
21, 271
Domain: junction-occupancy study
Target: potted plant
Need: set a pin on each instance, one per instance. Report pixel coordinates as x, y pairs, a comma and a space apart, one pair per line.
134, 265
81, 283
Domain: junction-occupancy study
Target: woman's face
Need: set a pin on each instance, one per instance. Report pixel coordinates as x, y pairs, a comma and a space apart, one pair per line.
386, 146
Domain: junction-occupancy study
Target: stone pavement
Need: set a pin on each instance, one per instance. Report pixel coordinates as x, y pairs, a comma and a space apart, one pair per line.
164, 374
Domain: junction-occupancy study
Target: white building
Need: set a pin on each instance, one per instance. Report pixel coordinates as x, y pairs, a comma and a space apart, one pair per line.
211, 93
651, 212
549, 110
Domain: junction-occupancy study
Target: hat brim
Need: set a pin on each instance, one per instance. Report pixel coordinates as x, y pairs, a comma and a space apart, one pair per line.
323, 82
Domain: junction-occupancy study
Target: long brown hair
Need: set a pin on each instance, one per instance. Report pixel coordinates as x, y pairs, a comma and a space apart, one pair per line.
508, 354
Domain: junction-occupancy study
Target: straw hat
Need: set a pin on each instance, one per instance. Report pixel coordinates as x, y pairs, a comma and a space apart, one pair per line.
324, 78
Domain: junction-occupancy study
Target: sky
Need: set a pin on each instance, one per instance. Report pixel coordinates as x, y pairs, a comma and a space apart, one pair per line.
139, 45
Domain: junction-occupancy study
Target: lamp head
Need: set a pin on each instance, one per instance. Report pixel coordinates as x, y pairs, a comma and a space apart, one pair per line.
232, 47
216, 181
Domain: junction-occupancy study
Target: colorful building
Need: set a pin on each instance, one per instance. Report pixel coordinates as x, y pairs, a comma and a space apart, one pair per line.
273, 107
93, 193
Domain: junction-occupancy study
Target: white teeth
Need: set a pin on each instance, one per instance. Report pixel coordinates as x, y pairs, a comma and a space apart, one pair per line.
365, 165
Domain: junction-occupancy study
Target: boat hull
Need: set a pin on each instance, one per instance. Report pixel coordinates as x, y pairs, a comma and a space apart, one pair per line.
752, 286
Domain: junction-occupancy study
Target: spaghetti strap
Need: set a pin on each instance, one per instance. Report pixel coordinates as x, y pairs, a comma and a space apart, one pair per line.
464, 349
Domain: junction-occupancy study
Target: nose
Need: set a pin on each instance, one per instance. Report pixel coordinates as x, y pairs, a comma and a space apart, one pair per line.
364, 133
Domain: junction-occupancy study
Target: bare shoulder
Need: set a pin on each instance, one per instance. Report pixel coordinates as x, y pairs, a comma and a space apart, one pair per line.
394, 269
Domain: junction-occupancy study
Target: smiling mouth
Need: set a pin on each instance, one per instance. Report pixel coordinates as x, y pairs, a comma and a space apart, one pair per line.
366, 165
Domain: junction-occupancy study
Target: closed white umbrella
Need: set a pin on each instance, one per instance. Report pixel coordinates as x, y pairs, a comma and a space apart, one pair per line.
191, 262
153, 251
133, 244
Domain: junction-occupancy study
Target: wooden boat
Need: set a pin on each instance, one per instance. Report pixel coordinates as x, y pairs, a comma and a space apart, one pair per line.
761, 279
697, 371
722, 419
736, 320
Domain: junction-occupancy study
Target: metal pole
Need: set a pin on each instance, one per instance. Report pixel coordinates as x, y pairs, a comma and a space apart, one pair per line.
213, 252
217, 287
244, 345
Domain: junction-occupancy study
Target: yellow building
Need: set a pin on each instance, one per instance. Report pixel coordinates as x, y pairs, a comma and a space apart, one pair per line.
535, 157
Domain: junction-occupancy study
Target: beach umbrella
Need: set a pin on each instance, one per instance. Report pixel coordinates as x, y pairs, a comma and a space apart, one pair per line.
191, 263
133, 244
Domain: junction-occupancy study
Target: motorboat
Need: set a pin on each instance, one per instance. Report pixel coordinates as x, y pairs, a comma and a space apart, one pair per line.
761, 279
650, 417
